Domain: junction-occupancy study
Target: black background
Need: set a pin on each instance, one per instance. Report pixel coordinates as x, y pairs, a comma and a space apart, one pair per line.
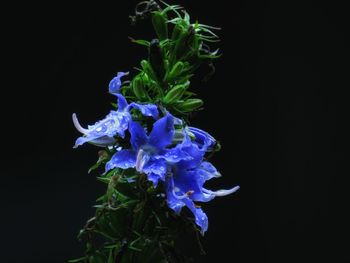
277, 103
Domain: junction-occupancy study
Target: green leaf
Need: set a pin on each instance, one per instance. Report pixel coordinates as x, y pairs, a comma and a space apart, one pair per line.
103, 156
140, 42
94, 167
102, 198
128, 204
132, 245
187, 17
208, 31
211, 27
111, 257
104, 180
209, 56
173, 8
157, 218
77, 260
113, 246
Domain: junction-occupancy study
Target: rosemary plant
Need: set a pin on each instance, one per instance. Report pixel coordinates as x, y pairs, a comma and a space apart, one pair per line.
154, 165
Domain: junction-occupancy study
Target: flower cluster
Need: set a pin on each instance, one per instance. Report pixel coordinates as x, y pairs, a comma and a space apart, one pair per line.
171, 154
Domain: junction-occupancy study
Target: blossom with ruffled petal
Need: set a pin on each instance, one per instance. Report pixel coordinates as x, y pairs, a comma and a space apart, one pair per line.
115, 123
185, 183
203, 139
149, 153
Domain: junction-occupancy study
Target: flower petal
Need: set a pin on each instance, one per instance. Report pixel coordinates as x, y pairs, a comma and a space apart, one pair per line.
98, 141
222, 192
203, 139
77, 124
162, 132
103, 131
149, 110
189, 181
192, 150
123, 159
207, 171
173, 202
177, 203
138, 135
154, 178
81, 140
200, 217
174, 155
209, 167
122, 103
157, 167
116, 83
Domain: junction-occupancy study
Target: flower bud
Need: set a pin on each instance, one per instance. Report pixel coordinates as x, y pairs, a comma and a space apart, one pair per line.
175, 71
190, 105
175, 93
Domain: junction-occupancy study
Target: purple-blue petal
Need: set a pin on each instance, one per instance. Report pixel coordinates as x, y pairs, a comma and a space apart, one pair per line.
103, 131
162, 132
116, 83
173, 202
207, 171
138, 135
123, 159
209, 167
154, 178
149, 110
122, 103
200, 217
192, 150
157, 167
84, 139
176, 204
104, 141
191, 181
203, 139
186, 180
174, 155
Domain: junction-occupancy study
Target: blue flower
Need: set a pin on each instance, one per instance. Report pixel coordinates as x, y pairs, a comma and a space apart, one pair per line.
115, 123
150, 153
185, 183
116, 83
